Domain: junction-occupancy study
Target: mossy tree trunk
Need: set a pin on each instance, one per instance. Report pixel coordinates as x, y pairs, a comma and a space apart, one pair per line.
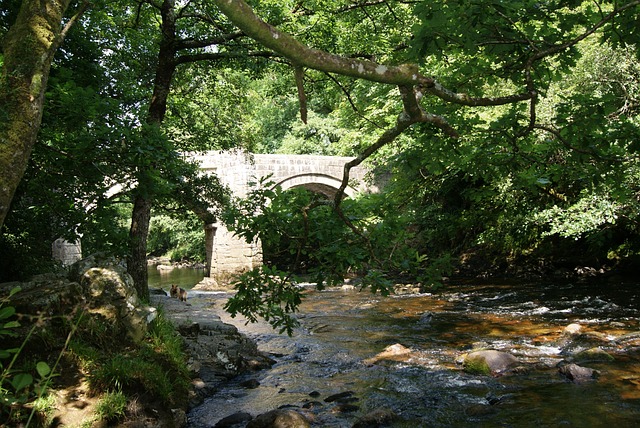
28, 49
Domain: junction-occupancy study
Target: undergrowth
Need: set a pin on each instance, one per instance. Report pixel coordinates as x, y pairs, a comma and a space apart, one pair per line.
86, 346
154, 368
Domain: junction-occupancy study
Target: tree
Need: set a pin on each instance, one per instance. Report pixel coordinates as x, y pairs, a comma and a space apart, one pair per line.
501, 66
95, 136
28, 50
198, 32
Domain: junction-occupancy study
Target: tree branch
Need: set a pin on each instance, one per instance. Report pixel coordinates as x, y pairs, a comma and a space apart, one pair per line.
243, 16
217, 56
302, 97
219, 40
63, 33
558, 48
351, 102
412, 114
564, 142
405, 74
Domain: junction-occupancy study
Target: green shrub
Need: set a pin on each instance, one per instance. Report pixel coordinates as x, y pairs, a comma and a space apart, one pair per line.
181, 239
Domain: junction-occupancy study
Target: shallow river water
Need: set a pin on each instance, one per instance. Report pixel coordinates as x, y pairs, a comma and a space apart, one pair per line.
182, 277
341, 329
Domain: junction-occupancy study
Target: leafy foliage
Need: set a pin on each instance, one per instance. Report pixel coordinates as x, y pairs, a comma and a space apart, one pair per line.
301, 232
268, 293
536, 178
181, 239
111, 407
156, 366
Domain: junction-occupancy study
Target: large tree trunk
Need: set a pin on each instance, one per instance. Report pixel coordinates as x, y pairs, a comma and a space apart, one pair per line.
28, 49
137, 259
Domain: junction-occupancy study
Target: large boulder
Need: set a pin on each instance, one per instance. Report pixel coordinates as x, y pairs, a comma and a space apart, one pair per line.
44, 295
110, 292
489, 362
99, 286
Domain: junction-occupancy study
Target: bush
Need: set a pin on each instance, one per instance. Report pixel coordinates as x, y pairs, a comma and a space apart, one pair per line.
181, 239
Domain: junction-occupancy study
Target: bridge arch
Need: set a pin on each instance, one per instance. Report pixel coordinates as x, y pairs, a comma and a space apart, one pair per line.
325, 184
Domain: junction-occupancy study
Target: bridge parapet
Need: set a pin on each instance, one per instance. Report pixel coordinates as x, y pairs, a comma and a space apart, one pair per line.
238, 169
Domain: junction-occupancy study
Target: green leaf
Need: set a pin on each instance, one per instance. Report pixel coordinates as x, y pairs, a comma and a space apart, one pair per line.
21, 381
11, 324
43, 369
7, 312
543, 181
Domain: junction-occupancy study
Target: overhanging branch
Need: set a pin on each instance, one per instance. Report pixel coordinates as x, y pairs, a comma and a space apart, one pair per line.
412, 114
300, 55
217, 56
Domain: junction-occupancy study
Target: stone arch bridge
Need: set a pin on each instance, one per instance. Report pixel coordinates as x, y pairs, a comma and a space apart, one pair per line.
228, 255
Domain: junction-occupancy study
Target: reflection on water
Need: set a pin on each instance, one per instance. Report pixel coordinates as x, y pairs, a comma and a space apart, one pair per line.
183, 277
340, 329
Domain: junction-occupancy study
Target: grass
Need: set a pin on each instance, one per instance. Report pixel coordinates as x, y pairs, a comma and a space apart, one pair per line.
155, 367
46, 407
112, 407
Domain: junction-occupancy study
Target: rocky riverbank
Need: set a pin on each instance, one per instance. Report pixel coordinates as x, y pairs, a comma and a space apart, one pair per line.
92, 318
217, 351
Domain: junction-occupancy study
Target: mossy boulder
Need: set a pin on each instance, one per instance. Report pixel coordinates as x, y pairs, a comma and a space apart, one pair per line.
98, 286
489, 362
593, 355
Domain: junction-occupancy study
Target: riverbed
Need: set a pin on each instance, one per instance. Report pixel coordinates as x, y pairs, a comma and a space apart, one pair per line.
342, 330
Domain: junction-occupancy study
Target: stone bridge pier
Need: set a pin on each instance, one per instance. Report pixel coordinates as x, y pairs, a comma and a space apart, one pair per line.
228, 255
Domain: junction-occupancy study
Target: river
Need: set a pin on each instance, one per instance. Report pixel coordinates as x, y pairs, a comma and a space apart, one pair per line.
340, 329
182, 277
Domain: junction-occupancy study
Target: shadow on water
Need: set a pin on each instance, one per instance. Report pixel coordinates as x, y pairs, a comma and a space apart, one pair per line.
341, 330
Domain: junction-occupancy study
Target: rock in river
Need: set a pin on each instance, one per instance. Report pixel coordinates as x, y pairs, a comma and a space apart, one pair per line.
578, 374
489, 362
280, 418
396, 352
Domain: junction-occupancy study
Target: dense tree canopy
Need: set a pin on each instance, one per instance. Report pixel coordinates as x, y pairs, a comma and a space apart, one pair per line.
506, 127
